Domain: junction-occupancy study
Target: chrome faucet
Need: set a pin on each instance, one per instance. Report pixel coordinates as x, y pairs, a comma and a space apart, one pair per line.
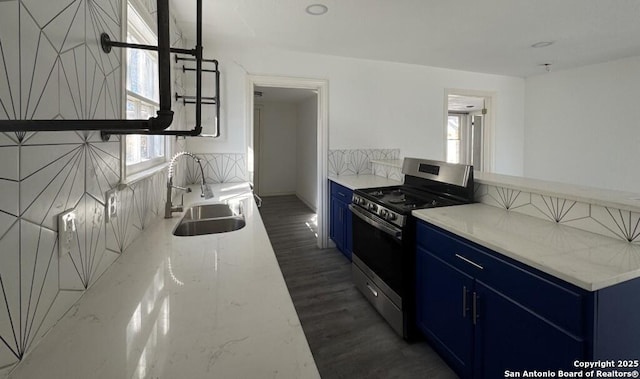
169, 208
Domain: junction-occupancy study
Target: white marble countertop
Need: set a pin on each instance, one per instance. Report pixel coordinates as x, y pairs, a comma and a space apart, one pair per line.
363, 181
212, 306
599, 196
585, 259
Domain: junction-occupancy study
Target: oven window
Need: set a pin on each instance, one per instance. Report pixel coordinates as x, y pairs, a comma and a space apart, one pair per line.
380, 252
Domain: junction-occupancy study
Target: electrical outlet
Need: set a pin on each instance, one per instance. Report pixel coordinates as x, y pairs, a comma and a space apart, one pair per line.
110, 205
67, 229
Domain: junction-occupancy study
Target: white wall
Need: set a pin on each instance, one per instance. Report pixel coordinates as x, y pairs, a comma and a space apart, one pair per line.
582, 125
371, 103
277, 173
306, 154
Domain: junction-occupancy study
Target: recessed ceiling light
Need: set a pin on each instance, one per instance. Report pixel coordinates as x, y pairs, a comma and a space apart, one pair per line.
317, 9
542, 44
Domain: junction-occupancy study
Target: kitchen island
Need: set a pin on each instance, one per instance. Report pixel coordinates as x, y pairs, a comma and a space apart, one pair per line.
503, 291
584, 259
183, 307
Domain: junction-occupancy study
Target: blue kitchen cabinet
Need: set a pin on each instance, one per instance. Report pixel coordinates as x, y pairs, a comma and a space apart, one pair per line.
486, 313
340, 221
510, 336
440, 315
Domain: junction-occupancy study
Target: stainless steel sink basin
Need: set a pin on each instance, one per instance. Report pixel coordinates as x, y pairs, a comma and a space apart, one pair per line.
209, 226
209, 219
207, 211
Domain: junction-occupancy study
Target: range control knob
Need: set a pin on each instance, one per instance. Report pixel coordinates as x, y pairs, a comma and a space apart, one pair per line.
391, 216
384, 214
373, 207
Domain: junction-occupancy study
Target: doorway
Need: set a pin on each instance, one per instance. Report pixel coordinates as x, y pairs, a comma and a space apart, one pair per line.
469, 128
285, 156
285, 143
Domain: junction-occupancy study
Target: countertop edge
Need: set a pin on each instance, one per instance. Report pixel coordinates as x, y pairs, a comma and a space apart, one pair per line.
588, 286
354, 182
92, 317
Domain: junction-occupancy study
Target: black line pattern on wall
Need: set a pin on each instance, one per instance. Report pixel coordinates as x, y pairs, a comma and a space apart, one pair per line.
218, 168
52, 67
357, 161
627, 224
506, 197
556, 208
607, 221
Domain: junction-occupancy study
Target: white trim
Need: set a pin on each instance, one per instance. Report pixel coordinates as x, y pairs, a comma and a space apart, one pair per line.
322, 184
135, 172
488, 143
138, 176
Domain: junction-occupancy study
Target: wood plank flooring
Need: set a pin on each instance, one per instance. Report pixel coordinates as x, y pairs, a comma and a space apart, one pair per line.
348, 338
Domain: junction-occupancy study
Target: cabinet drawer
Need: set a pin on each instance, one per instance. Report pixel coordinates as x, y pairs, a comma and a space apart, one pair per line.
341, 193
560, 303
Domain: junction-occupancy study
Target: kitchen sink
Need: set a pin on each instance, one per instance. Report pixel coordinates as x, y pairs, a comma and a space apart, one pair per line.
209, 219
207, 211
209, 226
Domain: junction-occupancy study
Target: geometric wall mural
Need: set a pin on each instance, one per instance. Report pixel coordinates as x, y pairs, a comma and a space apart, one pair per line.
357, 161
52, 67
611, 222
218, 168
139, 205
386, 170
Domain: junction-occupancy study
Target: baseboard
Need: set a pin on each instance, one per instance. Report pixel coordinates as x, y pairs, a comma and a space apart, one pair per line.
276, 194
307, 203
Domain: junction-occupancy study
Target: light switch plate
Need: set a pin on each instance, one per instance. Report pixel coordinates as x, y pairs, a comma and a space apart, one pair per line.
110, 205
67, 230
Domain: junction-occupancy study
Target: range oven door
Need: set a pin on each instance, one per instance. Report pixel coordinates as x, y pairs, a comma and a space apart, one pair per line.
378, 244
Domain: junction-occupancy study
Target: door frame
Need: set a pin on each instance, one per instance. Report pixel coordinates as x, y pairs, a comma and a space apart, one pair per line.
322, 130
256, 149
488, 132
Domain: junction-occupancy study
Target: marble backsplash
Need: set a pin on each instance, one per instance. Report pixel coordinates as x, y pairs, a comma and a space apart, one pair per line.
52, 68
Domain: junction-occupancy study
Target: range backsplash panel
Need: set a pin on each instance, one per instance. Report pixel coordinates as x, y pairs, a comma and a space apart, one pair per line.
358, 161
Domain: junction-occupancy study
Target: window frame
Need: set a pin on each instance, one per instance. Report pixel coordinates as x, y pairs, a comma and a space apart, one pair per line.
157, 162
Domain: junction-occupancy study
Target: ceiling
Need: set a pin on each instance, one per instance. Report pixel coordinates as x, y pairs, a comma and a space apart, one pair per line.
489, 36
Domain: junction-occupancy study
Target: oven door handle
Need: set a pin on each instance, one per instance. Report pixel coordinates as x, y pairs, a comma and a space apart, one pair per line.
378, 224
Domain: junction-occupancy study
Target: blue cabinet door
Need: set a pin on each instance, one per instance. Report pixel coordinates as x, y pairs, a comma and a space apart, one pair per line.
337, 223
340, 221
348, 230
444, 310
511, 337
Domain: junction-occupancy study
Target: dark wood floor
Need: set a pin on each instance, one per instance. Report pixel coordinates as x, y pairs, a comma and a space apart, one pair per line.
347, 337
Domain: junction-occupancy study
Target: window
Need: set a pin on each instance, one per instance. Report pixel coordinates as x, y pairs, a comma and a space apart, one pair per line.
453, 138
142, 152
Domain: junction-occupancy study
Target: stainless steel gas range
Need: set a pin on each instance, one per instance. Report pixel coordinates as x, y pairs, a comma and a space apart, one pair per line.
384, 234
